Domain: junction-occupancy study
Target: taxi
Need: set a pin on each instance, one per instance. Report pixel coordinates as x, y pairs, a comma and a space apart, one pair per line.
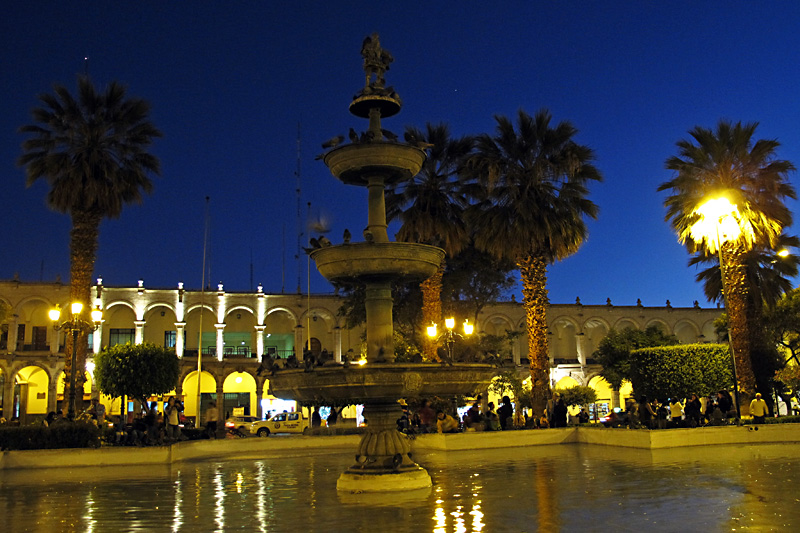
280, 423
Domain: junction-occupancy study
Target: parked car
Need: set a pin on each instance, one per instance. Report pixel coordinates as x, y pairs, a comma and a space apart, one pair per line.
280, 423
614, 419
239, 424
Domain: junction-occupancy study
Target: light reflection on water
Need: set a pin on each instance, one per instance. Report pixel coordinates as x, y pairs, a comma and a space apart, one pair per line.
567, 488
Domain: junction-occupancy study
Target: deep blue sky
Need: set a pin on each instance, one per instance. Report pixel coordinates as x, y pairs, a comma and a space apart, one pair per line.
230, 81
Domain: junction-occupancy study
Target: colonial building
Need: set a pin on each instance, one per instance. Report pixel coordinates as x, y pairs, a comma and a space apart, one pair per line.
233, 330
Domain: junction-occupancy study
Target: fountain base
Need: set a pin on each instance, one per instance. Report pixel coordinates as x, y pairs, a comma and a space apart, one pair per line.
357, 481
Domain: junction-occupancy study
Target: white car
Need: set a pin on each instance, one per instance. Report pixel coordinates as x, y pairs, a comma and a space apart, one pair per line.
280, 423
239, 423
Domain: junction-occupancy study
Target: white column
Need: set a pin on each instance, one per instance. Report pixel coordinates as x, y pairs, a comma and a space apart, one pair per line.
260, 341
337, 344
580, 346
97, 341
180, 342
139, 339
299, 343
220, 341
12, 337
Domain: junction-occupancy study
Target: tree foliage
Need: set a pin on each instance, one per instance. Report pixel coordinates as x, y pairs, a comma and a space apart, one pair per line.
614, 350
678, 371
577, 395
512, 384
136, 370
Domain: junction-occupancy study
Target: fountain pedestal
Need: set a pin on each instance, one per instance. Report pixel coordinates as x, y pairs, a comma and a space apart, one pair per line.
374, 160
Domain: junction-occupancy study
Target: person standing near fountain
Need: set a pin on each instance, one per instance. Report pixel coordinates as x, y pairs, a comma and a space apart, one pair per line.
504, 412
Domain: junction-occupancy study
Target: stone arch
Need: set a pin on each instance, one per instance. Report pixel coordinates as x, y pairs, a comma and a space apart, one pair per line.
192, 329
237, 309
209, 384
594, 329
151, 306
567, 382
240, 382
660, 323
493, 324
282, 309
709, 332
687, 331
563, 342
625, 323
34, 381
159, 319
279, 331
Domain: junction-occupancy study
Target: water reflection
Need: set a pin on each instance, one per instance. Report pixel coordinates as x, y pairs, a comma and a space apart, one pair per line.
541, 488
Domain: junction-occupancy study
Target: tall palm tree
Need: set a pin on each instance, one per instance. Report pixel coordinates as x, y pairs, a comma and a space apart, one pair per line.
728, 162
92, 151
769, 272
430, 206
531, 189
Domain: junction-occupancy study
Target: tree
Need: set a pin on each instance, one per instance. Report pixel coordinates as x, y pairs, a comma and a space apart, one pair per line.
614, 351
577, 395
769, 272
530, 185
430, 206
473, 279
783, 323
679, 371
92, 151
510, 383
136, 370
728, 163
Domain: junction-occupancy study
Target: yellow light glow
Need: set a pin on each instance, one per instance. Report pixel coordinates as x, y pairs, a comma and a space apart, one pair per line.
720, 222
450, 323
468, 328
783, 253
97, 315
362, 362
432, 330
76, 308
55, 314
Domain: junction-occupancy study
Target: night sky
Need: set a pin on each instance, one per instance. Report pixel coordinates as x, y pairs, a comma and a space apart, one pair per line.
230, 82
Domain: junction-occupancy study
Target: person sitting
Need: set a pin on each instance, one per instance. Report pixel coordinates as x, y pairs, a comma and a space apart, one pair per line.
446, 423
492, 420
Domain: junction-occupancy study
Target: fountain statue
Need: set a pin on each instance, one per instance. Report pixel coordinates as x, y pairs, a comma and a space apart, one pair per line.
375, 159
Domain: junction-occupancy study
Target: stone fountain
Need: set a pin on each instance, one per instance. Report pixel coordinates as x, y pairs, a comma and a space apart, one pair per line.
375, 159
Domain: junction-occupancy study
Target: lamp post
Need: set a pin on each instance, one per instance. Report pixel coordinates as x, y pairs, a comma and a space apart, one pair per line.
449, 336
75, 324
719, 224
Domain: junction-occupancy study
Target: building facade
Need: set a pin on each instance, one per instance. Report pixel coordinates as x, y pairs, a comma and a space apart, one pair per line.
232, 331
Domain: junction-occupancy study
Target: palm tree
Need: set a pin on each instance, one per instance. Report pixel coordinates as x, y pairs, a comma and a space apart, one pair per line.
430, 206
92, 151
530, 186
727, 162
769, 272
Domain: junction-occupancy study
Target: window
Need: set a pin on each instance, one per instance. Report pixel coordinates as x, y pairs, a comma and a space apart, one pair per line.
39, 338
121, 336
170, 338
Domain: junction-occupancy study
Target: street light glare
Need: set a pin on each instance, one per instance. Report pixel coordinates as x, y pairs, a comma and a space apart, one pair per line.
450, 323
76, 308
719, 222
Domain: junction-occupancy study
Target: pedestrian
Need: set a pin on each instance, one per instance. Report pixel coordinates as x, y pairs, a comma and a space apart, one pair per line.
316, 418
759, 409
212, 415
173, 419
427, 417
504, 412
560, 414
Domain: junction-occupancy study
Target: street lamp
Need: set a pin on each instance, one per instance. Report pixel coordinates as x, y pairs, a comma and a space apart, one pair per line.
75, 324
720, 223
449, 336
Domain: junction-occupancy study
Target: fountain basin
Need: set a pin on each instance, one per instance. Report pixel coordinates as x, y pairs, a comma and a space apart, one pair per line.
354, 163
373, 261
380, 383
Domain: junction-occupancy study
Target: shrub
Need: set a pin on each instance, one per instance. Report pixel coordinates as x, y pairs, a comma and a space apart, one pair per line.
679, 371
61, 435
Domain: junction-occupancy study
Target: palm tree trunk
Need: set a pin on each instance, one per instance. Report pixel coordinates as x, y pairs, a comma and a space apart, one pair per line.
533, 273
740, 321
432, 310
83, 250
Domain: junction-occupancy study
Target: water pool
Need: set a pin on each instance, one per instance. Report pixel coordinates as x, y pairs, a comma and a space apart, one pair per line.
545, 488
